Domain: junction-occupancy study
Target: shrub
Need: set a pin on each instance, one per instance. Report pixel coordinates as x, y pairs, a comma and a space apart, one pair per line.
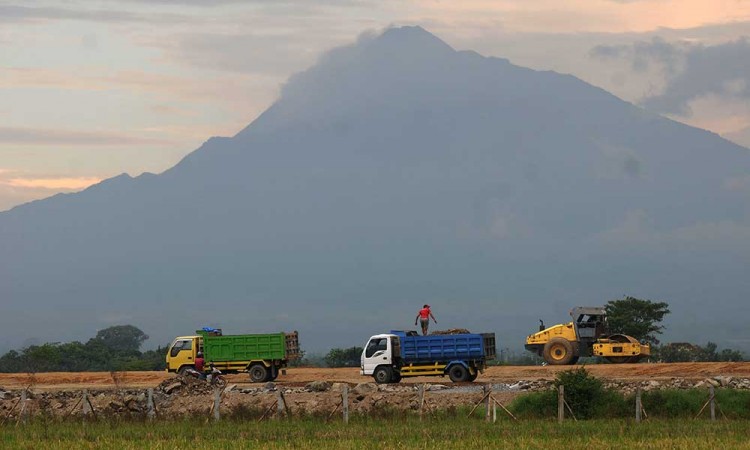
581, 391
584, 393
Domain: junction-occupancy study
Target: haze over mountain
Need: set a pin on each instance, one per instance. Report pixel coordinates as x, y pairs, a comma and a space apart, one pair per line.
396, 172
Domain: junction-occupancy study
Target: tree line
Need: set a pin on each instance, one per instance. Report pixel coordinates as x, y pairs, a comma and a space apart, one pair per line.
642, 320
116, 348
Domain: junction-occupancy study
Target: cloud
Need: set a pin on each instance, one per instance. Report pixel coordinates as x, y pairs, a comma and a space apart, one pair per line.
18, 187
722, 70
643, 54
214, 3
741, 137
160, 86
243, 53
691, 70
33, 136
13, 13
52, 183
142, 11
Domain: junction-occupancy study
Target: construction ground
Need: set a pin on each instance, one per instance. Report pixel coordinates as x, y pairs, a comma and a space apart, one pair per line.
318, 391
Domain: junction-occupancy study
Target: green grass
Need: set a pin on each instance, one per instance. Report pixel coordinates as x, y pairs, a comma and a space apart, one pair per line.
662, 404
361, 433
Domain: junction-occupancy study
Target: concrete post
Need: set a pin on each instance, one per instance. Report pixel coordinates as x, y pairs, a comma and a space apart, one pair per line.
151, 412
638, 407
86, 403
420, 390
22, 414
488, 401
279, 404
560, 404
217, 403
713, 401
345, 402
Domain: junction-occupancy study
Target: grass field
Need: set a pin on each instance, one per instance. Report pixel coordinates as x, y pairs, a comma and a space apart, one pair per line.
382, 433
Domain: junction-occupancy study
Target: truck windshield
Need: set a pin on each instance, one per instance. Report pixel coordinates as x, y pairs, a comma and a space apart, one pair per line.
376, 345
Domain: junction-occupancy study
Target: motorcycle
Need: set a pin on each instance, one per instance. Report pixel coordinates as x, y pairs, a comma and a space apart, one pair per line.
216, 378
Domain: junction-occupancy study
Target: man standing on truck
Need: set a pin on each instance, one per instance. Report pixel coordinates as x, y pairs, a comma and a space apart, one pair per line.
423, 316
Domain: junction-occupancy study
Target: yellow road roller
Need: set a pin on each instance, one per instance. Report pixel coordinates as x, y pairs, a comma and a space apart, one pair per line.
586, 335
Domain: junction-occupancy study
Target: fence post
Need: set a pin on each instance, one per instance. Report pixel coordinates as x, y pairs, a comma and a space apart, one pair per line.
279, 404
488, 401
345, 402
86, 403
713, 401
217, 403
22, 413
151, 411
638, 404
420, 390
560, 404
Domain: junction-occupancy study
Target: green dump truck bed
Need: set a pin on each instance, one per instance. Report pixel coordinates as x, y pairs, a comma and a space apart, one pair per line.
249, 347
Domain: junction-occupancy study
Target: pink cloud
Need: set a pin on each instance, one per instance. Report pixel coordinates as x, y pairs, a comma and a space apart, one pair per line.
62, 183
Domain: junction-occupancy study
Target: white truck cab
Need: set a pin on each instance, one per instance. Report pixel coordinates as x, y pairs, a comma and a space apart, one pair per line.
380, 358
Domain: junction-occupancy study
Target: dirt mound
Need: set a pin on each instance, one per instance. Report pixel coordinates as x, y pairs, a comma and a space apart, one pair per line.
451, 331
185, 385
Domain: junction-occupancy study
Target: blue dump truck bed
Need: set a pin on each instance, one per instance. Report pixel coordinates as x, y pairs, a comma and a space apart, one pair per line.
445, 348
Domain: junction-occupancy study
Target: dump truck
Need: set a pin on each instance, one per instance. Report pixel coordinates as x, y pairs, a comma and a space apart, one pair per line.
263, 356
586, 335
392, 356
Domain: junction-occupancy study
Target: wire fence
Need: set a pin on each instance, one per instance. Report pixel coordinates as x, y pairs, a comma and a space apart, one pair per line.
23, 408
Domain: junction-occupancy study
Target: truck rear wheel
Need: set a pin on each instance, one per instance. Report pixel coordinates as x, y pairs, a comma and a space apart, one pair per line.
383, 374
458, 373
558, 352
258, 373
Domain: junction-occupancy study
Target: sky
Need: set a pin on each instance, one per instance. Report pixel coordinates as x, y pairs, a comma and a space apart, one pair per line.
91, 89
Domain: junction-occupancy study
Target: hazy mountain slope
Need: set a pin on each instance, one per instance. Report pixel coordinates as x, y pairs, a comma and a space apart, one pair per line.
398, 171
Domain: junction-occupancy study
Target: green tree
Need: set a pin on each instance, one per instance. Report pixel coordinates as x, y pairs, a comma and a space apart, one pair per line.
122, 338
114, 348
687, 352
40, 358
637, 318
344, 357
730, 355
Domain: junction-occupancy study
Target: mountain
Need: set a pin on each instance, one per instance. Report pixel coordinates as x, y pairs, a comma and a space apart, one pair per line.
397, 172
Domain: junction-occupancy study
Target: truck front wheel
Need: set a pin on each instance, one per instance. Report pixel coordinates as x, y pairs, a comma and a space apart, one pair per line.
258, 373
382, 375
458, 373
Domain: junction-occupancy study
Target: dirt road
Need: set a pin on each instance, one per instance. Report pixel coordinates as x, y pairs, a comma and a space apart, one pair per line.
300, 376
